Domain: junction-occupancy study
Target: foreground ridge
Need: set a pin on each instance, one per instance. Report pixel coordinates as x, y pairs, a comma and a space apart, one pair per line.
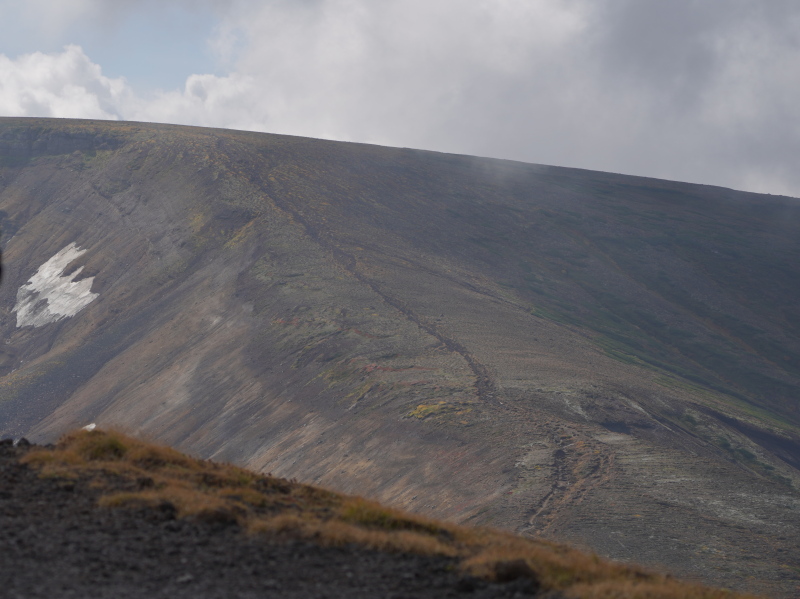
291, 536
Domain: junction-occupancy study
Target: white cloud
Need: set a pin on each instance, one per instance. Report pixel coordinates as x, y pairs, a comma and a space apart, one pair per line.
65, 84
394, 72
705, 92
233, 102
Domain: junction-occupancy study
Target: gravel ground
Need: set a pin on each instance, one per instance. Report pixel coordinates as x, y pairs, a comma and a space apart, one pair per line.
55, 542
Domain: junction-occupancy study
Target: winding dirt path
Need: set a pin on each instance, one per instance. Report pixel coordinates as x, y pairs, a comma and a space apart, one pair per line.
484, 384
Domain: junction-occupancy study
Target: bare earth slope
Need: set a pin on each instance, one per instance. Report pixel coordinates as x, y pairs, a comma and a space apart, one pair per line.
603, 359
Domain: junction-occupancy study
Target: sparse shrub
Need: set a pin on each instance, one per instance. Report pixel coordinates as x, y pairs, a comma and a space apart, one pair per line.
96, 446
151, 457
246, 496
374, 515
280, 524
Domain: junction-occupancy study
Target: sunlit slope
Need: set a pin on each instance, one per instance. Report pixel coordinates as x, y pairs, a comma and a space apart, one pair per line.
560, 352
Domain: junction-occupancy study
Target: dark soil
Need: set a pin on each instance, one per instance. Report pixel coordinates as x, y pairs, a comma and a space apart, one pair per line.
56, 542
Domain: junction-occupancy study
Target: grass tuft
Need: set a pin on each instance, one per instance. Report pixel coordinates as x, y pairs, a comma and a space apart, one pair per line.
96, 446
371, 514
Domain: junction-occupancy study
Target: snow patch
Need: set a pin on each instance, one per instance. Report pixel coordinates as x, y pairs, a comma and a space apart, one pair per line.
49, 296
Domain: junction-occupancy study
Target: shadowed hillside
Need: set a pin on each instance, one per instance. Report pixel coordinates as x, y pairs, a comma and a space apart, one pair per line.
603, 359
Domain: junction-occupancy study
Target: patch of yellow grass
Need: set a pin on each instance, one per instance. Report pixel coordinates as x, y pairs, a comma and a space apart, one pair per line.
333, 532
422, 411
371, 514
135, 474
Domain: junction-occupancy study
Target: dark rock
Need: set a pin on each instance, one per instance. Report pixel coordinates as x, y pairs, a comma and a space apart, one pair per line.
511, 570
469, 584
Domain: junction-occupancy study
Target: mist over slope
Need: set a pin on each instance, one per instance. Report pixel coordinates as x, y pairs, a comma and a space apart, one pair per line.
604, 359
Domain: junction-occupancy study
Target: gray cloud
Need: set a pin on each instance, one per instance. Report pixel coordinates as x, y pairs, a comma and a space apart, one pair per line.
717, 80
700, 91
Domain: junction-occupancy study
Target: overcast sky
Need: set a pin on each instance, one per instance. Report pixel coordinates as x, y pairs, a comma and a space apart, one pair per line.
705, 91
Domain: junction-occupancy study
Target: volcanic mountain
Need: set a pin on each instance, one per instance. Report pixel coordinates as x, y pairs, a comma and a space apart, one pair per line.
608, 360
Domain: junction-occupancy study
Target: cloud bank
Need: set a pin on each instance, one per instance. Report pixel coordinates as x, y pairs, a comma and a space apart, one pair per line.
64, 85
696, 91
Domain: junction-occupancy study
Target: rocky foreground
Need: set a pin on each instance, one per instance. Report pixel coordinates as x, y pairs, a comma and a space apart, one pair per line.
102, 515
56, 542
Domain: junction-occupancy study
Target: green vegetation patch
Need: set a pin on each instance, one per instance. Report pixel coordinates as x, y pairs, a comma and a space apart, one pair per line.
439, 408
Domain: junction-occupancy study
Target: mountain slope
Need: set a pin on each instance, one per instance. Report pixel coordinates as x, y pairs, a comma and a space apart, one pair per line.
605, 359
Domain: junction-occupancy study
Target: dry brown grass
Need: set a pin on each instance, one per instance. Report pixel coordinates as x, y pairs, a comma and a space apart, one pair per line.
132, 473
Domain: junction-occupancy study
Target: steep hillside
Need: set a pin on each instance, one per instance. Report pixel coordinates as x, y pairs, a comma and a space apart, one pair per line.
603, 359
